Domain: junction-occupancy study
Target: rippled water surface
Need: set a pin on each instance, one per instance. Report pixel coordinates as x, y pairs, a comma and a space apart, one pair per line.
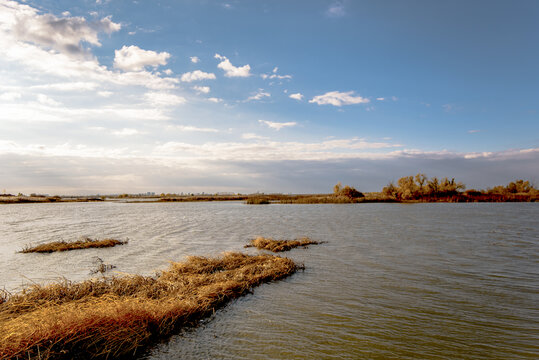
428, 281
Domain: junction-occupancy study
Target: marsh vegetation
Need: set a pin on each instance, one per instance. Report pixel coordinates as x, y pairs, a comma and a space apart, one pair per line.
82, 243
119, 316
263, 243
421, 188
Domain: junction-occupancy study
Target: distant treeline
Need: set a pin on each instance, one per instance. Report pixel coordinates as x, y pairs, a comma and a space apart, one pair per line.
421, 188
418, 188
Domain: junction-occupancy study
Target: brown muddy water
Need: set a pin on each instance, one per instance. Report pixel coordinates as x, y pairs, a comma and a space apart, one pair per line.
392, 281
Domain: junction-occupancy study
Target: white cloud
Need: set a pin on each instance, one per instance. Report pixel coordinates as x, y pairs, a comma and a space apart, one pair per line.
126, 132
197, 75
37, 61
133, 58
168, 72
164, 99
277, 125
105, 94
45, 100
380, 98
189, 128
62, 34
259, 95
267, 150
215, 100
10, 96
68, 86
194, 59
252, 136
274, 75
337, 98
336, 9
33, 112
202, 89
296, 96
231, 70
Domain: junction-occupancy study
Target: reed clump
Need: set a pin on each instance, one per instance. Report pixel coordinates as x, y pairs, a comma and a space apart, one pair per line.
263, 243
82, 243
117, 317
257, 200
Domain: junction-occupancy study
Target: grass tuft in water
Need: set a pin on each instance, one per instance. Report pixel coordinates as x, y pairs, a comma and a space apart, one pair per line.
83, 243
118, 317
279, 245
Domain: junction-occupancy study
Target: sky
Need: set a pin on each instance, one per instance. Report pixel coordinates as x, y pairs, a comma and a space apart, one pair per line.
114, 96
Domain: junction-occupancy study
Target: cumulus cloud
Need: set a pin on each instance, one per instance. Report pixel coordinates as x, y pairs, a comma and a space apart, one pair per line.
194, 59
196, 76
277, 125
67, 34
202, 89
296, 96
215, 100
337, 98
380, 98
164, 99
40, 63
275, 75
231, 70
133, 58
258, 96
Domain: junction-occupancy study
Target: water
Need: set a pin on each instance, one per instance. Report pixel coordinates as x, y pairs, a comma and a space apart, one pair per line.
428, 281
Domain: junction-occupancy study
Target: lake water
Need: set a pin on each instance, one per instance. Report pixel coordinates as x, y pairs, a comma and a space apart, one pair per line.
392, 281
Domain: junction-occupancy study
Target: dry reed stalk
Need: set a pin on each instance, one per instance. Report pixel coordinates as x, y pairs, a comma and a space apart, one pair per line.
83, 243
279, 245
118, 317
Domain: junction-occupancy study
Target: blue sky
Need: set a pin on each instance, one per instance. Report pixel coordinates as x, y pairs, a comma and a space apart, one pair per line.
274, 96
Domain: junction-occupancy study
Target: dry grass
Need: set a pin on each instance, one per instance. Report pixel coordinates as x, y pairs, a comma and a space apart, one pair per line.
118, 317
279, 245
83, 243
322, 199
257, 200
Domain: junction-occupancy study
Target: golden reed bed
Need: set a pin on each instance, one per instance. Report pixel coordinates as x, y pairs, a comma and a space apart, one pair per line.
279, 245
83, 243
118, 317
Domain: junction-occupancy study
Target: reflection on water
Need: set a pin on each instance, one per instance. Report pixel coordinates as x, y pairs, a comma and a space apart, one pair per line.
430, 281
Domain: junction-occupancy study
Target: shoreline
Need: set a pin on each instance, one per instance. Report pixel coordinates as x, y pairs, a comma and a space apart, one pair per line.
276, 199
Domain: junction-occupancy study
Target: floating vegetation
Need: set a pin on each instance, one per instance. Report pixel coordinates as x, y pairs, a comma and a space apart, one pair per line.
82, 243
118, 316
101, 267
279, 245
